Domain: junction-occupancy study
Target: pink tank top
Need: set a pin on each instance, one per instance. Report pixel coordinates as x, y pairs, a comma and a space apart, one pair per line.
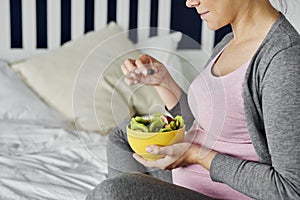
217, 105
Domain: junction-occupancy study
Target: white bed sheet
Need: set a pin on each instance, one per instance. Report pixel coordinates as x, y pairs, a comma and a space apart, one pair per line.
49, 163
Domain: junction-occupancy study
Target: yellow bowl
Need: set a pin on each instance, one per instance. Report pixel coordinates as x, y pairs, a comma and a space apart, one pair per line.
139, 140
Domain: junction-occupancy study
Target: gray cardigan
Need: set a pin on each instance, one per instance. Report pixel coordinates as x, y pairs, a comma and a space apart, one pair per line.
272, 111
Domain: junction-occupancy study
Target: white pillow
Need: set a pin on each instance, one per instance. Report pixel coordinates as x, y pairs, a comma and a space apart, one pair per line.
83, 80
18, 102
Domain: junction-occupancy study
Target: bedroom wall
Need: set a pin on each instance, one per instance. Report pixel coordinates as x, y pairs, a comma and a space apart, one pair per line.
292, 11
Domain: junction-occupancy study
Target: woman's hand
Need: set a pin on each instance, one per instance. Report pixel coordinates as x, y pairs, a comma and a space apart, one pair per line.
178, 155
137, 71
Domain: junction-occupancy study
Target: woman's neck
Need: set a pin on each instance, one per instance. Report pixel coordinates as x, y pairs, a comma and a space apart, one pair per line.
254, 21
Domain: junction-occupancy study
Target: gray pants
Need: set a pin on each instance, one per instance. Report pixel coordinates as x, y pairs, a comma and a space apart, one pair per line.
138, 186
125, 183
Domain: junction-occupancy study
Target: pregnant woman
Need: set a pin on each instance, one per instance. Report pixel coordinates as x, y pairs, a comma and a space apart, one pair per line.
242, 114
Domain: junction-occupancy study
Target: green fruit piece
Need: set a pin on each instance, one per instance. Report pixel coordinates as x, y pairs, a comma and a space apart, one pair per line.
155, 118
167, 126
134, 125
164, 119
173, 125
165, 129
141, 120
139, 127
158, 114
179, 121
156, 125
133, 120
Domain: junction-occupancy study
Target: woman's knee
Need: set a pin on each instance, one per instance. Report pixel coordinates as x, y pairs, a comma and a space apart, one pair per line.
101, 191
114, 188
118, 134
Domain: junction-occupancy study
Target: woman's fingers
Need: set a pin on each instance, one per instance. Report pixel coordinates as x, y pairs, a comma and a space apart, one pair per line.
160, 163
144, 69
167, 150
128, 68
130, 64
146, 64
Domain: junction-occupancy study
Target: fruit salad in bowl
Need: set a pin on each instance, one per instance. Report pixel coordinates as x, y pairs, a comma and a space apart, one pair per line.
158, 129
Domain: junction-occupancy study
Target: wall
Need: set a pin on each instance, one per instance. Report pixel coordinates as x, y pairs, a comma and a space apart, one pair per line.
292, 11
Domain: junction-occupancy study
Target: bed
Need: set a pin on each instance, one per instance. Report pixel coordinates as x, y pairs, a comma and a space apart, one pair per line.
62, 90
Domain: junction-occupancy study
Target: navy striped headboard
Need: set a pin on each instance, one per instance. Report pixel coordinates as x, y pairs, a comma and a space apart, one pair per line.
92, 15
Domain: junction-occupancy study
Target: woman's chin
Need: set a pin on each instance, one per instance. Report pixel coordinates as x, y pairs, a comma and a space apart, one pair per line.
213, 26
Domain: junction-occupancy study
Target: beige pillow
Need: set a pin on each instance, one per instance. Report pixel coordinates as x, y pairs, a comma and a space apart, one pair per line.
83, 80
107, 100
